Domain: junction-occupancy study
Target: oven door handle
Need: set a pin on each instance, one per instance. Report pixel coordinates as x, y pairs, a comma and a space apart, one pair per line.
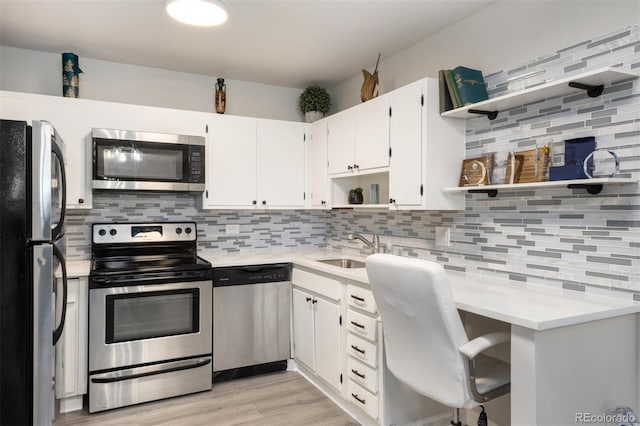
118, 376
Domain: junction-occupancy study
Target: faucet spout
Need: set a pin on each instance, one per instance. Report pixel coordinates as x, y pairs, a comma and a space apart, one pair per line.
373, 245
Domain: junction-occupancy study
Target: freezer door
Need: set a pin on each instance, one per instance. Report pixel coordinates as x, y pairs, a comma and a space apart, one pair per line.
42, 328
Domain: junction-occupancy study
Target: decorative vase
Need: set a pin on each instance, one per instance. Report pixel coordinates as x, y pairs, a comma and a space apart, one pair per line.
221, 96
311, 116
355, 197
70, 75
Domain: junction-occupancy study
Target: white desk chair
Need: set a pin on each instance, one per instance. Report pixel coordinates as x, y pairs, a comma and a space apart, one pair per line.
425, 343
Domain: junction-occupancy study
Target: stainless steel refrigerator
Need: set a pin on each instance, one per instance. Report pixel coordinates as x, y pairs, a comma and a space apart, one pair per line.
32, 210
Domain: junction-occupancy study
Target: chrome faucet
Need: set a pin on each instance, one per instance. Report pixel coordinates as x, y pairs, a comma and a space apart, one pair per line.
373, 245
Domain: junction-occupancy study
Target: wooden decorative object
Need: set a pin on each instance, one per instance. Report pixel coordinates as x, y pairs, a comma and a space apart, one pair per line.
370, 86
476, 171
527, 166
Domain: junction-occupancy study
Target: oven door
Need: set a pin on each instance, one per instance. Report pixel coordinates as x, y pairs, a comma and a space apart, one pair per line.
133, 325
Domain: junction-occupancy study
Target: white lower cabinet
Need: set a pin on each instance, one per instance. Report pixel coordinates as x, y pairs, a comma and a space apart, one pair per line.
71, 350
316, 333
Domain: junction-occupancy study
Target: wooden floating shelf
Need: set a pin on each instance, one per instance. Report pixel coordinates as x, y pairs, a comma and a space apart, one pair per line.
589, 81
593, 186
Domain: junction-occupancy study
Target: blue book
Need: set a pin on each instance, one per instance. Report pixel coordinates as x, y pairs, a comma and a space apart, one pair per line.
470, 85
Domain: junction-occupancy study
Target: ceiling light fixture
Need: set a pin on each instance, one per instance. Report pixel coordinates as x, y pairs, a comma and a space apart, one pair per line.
203, 13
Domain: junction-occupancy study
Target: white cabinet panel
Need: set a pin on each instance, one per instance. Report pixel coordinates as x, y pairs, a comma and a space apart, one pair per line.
372, 134
327, 327
303, 330
317, 166
231, 162
362, 350
341, 141
280, 153
67, 116
363, 399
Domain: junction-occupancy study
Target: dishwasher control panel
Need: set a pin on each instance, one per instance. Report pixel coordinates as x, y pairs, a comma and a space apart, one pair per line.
254, 274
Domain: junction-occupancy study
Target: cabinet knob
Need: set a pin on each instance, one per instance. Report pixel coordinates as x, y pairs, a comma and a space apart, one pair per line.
308, 299
357, 167
81, 200
392, 201
254, 202
314, 301
349, 167
264, 202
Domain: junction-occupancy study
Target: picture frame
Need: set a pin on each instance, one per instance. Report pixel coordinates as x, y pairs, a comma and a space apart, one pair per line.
476, 171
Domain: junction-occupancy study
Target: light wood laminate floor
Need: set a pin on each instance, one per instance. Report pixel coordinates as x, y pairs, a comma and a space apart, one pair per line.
284, 398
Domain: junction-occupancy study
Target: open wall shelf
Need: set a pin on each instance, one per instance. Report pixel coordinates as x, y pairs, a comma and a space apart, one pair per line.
591, 81
593, 186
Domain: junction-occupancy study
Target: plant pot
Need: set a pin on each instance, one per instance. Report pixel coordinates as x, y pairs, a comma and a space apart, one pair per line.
311, 116
355, 197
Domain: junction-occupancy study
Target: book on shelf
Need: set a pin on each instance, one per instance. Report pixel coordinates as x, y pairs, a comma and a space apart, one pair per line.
445, 99
470, 85
451, 85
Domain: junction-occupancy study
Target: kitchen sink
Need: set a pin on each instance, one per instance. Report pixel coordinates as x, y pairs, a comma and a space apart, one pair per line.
343, 263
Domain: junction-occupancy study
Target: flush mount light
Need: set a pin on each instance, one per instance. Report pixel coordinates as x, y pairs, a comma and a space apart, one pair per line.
203, 13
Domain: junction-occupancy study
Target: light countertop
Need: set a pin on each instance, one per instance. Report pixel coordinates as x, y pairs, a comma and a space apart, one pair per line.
528, 305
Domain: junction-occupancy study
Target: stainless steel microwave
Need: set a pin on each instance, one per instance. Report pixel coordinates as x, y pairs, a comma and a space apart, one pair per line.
132, 160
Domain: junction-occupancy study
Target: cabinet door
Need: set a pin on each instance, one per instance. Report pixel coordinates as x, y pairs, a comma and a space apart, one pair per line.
341, 141
372, 133
281, 168
231, 162
327, 325
317, 165
303, 332
407, 156
66, 115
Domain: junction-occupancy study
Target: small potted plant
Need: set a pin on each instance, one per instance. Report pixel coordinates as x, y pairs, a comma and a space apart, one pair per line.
314, 102
355, 196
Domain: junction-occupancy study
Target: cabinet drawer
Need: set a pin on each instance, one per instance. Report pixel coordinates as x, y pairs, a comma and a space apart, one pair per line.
362, 374
361, 325
362, 350
363, 399
361, 298
317, 283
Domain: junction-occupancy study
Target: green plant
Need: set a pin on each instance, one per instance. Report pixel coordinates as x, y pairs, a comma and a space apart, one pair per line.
315, 98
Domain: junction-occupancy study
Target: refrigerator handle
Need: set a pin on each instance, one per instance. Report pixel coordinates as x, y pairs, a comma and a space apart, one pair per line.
56, 233
58, 331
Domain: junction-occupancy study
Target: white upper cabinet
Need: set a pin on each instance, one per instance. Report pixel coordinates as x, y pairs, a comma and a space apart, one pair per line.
231, 165
372, 134
426, 150
341, 141
281, 165
255, 164
317, 178
358, 138
67, 116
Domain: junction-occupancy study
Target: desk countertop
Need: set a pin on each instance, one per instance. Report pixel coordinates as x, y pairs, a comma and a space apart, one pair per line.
528, 305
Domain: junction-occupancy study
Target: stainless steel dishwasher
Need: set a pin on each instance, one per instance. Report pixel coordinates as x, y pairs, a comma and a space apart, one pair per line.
251, 320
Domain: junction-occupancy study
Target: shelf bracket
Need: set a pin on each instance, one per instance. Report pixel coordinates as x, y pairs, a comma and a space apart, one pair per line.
490, 114
592, 189
592, 91
490, 192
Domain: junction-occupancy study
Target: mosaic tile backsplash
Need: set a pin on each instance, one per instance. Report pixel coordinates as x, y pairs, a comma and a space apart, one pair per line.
563, 238
560, 237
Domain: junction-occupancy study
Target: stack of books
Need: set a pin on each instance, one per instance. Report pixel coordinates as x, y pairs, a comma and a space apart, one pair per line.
461, 86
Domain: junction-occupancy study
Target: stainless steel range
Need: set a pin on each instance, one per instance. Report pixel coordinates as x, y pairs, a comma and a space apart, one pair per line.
150, 314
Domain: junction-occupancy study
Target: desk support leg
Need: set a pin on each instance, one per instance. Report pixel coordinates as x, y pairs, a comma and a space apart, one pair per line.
561, 374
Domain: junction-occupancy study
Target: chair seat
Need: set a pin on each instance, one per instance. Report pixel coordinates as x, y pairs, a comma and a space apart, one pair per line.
491, 373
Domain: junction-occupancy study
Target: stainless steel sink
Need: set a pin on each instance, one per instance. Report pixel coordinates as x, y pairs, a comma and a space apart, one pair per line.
343, 263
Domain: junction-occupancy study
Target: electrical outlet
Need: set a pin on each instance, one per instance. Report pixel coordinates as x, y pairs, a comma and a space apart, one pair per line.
232, 230
443, 236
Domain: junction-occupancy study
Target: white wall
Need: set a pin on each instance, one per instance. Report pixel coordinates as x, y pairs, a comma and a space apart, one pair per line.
32, 71
501, 36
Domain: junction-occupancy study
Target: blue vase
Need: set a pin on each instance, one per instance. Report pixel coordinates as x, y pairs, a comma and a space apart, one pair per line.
70, 73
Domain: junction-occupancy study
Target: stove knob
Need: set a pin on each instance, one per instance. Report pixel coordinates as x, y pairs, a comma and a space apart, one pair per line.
187, 230
102, 232
178, 231
113, 232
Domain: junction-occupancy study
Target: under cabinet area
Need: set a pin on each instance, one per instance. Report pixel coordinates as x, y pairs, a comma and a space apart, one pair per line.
255, 163
316, 325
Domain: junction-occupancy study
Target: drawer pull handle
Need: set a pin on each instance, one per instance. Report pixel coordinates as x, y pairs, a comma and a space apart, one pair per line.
357, 373
355, 348
361, 401
357, 325
359, 299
